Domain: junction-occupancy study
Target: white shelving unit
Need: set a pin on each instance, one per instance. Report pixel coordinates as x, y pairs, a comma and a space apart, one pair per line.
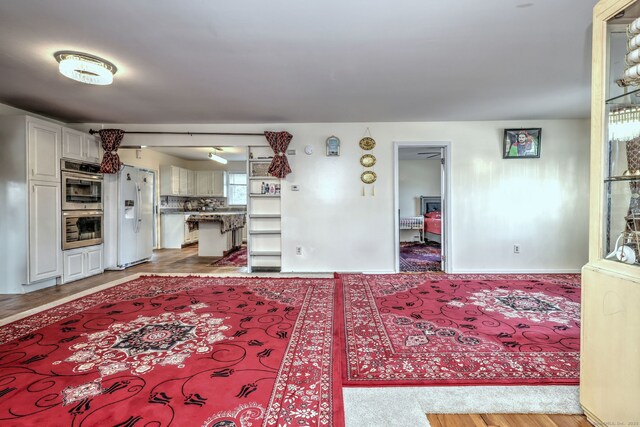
263, 214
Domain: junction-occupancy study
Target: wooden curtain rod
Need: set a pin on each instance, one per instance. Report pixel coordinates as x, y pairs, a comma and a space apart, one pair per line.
93, 132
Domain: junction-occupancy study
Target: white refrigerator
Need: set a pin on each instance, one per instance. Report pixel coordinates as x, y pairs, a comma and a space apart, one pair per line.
129, 217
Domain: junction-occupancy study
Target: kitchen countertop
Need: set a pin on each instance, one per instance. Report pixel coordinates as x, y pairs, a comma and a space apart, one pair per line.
173, 212
228, 220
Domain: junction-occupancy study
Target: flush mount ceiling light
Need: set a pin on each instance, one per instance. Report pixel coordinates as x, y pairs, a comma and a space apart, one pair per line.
217, 158
85, 68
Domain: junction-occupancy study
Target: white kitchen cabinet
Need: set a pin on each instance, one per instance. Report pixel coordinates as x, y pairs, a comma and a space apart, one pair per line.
44, 150
30, 223
219, 184
44, 230
183, 182
211, 184
204, 183
190, 236
169, 181
82, 262
172, 230
93, 149
191, 183
80, 146
175, 231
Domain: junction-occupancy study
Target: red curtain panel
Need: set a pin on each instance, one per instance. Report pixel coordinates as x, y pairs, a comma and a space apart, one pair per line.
279, 141
111, 139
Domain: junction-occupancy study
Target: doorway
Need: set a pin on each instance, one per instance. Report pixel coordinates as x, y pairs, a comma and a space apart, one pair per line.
421, 211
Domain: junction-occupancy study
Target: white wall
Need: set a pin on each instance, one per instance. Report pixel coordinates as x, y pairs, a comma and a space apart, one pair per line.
417, 178
540, 204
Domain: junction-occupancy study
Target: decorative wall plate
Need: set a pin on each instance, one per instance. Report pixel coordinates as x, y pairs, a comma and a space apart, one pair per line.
367, 143
368, 160
368, 177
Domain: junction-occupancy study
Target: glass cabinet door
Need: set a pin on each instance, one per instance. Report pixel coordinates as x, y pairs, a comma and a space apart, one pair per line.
622, 168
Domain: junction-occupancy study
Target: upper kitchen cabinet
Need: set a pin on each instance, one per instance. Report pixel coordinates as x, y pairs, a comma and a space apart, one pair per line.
44, 150
30, 218
169, 181
80, 146
183, 182
219, 184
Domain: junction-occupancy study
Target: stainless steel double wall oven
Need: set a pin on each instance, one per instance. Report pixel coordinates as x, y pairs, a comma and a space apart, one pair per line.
82, 207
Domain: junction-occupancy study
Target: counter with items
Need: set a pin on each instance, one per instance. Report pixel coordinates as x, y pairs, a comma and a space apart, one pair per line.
218, 232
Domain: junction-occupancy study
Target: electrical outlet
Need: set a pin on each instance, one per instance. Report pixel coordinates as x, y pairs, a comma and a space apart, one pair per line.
298, 250
516, 249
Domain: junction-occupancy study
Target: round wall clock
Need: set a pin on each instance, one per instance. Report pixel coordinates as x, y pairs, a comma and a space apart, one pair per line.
367, 143
368, 160
368, 177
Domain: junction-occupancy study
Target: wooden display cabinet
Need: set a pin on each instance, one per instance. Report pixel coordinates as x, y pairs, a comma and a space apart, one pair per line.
610, 348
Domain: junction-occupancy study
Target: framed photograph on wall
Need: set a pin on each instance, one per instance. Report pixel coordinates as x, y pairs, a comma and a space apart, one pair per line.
521, 143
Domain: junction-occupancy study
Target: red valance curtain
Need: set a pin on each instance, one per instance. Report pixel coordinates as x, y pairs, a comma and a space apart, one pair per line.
111, 139
279, 141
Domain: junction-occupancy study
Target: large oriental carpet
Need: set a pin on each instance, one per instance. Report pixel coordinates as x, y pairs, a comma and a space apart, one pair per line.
179, 351
436, 329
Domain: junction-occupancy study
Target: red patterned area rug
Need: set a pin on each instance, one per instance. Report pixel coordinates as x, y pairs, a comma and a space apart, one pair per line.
437, 329
234, 259
179, 351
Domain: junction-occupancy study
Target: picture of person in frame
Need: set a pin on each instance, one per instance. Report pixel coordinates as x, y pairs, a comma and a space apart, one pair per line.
521, 143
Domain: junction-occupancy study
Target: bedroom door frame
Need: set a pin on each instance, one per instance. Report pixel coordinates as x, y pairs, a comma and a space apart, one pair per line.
445, 194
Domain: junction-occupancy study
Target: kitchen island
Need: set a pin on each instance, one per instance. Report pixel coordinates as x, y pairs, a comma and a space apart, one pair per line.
219, 232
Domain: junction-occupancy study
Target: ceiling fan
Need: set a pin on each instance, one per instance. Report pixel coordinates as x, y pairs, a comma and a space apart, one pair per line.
432, 154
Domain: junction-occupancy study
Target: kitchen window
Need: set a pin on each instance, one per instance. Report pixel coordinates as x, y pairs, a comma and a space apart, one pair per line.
237, 188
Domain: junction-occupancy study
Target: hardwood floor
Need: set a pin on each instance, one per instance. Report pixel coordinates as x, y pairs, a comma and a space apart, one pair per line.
507, 420
186, 260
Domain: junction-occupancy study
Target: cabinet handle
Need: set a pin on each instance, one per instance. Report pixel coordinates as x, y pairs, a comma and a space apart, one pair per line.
32, 172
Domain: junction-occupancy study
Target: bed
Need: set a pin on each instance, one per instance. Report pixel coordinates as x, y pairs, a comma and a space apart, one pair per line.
432, 226
429, 223
430, 209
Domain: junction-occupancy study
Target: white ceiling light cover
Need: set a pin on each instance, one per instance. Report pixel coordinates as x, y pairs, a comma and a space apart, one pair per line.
85, 68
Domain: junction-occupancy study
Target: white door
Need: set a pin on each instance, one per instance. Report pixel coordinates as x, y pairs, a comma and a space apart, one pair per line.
44, 151
443, 209
146, 181
44, 231
128, 216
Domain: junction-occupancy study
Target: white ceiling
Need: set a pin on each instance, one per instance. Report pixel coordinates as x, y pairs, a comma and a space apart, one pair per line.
202, 153
254, 61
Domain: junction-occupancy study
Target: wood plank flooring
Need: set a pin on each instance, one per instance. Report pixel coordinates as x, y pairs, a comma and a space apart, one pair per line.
186, 260
507, 420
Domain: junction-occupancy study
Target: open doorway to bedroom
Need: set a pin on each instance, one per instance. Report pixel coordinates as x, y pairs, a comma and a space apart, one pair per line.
420, 199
